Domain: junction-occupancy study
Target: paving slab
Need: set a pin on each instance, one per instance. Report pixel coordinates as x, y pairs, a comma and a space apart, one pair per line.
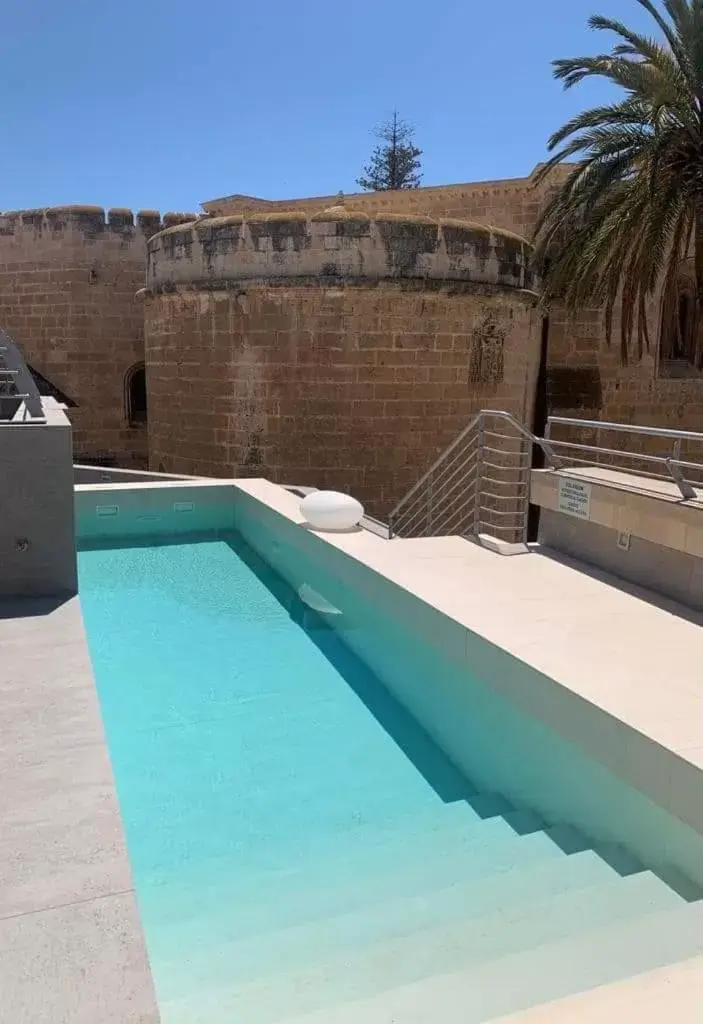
79, 964
71, 944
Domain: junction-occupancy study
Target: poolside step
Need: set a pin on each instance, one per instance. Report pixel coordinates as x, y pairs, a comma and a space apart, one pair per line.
347, 841
236, 946
432, 951
478, 995
361, 867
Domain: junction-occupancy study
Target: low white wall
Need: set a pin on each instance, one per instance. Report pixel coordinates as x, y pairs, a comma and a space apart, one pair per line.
135, 510
653, 540
108, 475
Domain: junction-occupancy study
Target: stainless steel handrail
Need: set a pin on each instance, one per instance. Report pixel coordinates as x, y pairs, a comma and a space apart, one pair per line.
542, 442
672, 465
625, 428
454, 492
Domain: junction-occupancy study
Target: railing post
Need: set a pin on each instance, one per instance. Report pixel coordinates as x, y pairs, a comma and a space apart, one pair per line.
526, 492
480, 442
429, 506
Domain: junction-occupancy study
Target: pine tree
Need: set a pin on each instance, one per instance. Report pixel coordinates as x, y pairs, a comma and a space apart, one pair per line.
395, 163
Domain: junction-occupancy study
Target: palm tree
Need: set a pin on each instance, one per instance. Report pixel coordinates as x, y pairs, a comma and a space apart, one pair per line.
630, 209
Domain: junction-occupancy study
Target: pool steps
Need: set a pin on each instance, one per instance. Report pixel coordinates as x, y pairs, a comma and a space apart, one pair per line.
463, 905
480, 994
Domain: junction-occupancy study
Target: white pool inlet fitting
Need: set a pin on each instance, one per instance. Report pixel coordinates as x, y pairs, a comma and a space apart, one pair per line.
316, 601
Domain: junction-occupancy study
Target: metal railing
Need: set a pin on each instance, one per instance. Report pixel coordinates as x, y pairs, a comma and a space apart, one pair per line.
668, 465
20, 401
479, 484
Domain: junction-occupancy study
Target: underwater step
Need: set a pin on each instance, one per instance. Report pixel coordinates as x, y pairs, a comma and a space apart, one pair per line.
495, 989
336, 878
224, 945
436, 950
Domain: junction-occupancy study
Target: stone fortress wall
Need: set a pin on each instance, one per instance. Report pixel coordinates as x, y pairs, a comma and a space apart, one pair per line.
512, 204
68, 283
280, 356
336, 350
585, 377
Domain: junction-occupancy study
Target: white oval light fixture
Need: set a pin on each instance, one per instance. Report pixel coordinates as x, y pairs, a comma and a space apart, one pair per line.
331, 510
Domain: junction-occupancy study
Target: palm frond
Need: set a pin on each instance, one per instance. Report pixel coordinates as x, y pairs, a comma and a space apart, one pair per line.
630, 209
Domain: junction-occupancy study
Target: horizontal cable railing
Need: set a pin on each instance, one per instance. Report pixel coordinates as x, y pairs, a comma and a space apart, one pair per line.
480, 483
649, 453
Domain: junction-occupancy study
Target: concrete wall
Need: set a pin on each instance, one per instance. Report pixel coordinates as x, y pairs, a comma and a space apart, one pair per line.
37, 547
661, 536
336, 244
672, 573
336, 353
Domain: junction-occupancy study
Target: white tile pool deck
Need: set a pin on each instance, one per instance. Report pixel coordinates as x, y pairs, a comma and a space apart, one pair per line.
69, 934
639, 661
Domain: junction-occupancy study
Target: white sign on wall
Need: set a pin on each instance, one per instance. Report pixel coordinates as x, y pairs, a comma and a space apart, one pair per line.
574, 498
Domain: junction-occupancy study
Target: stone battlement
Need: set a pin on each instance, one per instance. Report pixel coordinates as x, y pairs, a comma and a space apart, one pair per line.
90, 221
338, 244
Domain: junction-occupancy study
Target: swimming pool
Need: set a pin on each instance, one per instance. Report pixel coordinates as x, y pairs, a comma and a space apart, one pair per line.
303, 849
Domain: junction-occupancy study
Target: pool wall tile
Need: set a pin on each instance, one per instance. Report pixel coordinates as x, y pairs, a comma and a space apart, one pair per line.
152, 510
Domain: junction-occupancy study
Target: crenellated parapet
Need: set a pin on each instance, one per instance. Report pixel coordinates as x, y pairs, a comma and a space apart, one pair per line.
336, 244
89, 222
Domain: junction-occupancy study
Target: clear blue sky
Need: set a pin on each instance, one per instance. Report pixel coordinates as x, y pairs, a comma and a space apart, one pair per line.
166, 104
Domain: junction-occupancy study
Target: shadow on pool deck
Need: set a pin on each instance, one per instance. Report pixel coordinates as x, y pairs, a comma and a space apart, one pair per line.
637, 590
31, 607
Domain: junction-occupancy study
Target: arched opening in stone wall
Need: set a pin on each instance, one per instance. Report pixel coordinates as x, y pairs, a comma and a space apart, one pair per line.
680, 351
135, 395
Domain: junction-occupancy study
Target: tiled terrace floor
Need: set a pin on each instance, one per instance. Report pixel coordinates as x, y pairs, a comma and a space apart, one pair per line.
71, 946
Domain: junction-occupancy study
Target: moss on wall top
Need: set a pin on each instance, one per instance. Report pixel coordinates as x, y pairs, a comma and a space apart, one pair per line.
281, 229
340, 214
337, 242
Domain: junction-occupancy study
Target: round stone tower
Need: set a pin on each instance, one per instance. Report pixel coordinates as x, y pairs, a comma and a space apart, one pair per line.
334, 350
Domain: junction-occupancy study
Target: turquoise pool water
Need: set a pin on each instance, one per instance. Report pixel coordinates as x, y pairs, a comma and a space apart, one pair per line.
300, 844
